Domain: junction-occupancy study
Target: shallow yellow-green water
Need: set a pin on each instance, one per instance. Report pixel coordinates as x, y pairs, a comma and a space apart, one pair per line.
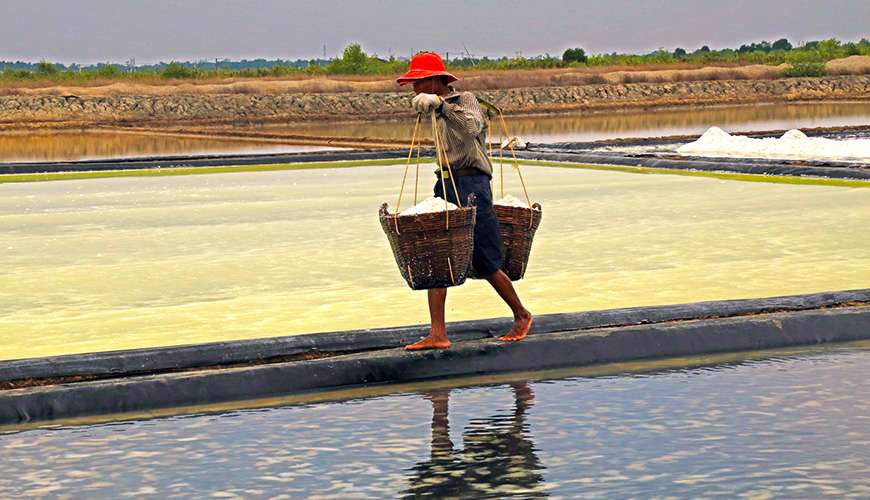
105, 264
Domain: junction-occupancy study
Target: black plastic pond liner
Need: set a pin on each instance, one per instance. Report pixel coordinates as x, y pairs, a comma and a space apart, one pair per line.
597, 149
561, 340
839, 133
188, 357
564, 152
580, 149
196, 161
735, 165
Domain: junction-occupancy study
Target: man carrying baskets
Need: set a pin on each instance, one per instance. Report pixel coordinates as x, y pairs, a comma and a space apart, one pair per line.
464, 131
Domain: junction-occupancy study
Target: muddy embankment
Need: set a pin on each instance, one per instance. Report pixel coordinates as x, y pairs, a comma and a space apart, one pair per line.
28, 111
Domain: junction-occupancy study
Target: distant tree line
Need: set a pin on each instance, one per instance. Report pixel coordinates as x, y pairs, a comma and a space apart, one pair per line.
804, 60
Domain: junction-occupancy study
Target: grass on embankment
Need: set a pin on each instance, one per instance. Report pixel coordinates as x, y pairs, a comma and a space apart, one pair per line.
159, 172
474, 80
730, 176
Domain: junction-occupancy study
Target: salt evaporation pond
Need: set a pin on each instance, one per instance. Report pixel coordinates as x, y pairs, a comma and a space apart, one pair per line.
95, 144
104, 264
579, 127
789, 424
792, 145
79, 145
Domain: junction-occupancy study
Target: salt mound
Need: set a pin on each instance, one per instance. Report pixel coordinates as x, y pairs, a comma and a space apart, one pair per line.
794, 144
429, 205
714, 134
511, 201
794, 135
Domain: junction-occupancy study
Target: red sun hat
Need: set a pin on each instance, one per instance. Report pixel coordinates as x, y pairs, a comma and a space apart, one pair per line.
424, 65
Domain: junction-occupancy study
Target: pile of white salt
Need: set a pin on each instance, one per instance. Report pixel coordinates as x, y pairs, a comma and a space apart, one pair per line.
512, 201
427, 206
794, 144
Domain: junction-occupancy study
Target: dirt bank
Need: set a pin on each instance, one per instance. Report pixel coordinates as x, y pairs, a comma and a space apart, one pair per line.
28, 111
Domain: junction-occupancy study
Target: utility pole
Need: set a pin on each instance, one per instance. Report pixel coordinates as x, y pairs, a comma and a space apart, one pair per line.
324, 51
468, 54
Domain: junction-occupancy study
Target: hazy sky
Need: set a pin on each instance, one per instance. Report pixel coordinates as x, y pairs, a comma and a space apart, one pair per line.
152, 30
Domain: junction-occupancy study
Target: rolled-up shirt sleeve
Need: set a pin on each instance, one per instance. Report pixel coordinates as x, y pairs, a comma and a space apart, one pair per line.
464, 114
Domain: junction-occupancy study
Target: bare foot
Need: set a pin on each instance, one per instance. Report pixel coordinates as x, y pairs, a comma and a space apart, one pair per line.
429, 342
520, 329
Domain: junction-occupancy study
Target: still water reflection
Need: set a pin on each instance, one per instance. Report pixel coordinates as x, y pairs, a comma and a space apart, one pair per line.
95, 145
79, 145
497, 455
598, 126
781, 424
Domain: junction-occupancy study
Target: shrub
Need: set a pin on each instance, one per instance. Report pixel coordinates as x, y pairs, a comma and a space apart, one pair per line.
17, 74
805, 69
781, 44
176, 70
45, 68
804, 56
830, 49
281, 70
852, 49
576, 54
353, 61
108, 71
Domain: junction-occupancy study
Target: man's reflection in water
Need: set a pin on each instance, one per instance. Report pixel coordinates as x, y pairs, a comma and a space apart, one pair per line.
498, 459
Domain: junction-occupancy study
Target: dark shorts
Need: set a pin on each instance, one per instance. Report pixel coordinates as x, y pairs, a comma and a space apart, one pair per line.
487, 257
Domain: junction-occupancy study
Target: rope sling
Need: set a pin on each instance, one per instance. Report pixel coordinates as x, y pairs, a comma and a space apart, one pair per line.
441, 157
443, 161
421, 244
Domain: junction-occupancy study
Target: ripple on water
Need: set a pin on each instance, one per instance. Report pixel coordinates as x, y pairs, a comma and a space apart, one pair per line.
789, 425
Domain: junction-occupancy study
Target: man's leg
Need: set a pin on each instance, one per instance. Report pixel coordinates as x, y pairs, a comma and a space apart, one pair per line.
437, 338
522, 317
441, 446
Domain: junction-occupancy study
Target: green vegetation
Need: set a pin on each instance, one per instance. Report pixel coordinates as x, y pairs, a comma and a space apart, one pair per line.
354, 61
804, 63
776, 179
805, 60
45, 68
160, 172
176, 70
575, 55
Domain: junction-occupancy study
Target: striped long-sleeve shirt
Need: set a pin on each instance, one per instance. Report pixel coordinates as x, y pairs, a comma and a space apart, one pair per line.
463, 130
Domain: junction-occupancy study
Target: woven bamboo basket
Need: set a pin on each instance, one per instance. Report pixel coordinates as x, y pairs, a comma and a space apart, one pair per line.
432, 250
517, 226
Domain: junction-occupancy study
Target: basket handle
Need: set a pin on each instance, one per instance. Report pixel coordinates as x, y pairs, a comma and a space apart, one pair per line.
516, 164
408, 163
441, 153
